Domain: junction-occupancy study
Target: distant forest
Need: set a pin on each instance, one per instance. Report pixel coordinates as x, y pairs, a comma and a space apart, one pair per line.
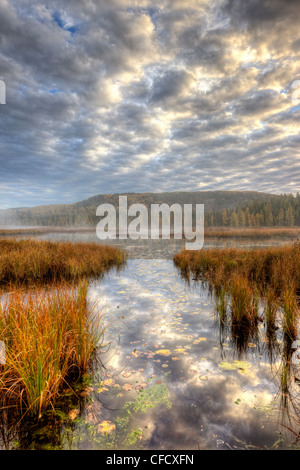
222, 209
279, 212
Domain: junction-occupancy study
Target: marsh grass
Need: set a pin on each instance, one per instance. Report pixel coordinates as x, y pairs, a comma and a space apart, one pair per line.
290, 310
38, 262
271, 276
271, 305
244, 304
50, 329
50, 336
210, 232
221, 302
252, 233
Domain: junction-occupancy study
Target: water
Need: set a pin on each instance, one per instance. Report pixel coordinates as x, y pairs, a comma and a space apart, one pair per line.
172, 376
156, 249
164, 334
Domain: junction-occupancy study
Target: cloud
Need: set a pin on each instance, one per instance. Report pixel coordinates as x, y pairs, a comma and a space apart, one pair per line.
147, 96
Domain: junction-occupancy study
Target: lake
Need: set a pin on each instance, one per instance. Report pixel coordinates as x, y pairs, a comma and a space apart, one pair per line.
171, 376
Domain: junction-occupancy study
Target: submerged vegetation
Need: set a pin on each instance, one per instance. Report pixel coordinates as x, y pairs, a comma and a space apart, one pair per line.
32, 262
246, 277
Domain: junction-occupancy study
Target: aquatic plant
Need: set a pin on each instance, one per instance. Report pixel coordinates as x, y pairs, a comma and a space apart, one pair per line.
37, 262
270, 275
290, 310
50, 337
221, 302
252, 233
244, 302
270, 310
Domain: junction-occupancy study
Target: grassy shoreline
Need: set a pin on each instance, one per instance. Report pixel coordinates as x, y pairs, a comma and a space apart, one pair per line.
50, 339
50, 329
210, 232
241, 278
32, 261
253, 233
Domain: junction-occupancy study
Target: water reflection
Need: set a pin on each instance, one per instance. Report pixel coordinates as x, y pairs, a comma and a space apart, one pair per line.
169, 331
175, 374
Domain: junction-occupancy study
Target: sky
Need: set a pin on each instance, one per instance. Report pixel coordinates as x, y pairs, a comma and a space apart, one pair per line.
123, 96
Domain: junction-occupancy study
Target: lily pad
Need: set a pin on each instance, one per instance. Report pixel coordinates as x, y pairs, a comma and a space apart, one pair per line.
234, 365
163, 352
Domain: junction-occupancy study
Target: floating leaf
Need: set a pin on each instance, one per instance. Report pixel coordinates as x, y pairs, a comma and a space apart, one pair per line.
163, 352
127, 375
106, 427
179, 350
109, 382
199, 340
242, 364
127, 387
73, 414
234, 365
227, 365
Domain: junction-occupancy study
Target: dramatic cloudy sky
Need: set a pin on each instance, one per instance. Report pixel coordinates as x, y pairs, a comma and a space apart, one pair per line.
138, 95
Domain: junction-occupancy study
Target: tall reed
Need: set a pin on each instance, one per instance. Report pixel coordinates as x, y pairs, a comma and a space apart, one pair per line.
244, 301
271, 306
271, 275
50, 337
32, 261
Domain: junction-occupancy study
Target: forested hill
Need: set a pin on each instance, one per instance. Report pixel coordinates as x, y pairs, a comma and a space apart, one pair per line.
232, 208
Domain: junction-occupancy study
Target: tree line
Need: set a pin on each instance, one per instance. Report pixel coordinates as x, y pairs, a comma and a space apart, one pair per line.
283, 211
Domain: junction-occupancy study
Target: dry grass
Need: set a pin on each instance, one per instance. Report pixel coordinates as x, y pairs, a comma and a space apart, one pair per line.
271, 275
210, 232
44, 230
253, 233
49, 328
50, 337
32, 262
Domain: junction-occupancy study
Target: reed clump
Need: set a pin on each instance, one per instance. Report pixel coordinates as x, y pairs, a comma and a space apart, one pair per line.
270, 275
271, 305
244, 304
33, 262
50, 338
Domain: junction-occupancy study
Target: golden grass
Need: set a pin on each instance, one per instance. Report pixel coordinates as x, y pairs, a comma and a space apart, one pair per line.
271, 275
44, 230
50, 336
32, 261
210, 232
253, 233
49, 328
